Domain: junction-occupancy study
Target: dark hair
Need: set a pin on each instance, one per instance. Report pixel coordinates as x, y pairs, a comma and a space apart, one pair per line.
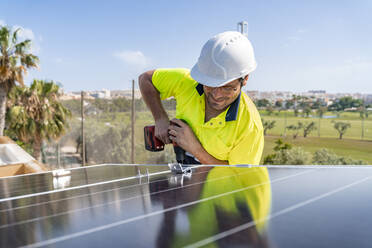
241, 80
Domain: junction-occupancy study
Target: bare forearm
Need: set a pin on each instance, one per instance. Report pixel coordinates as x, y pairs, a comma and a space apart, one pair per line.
151, 96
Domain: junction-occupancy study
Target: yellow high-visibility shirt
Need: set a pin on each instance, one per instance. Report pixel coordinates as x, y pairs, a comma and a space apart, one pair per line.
235, 135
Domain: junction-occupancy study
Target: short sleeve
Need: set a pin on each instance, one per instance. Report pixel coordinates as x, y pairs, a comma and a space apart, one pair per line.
249, 149
169, 81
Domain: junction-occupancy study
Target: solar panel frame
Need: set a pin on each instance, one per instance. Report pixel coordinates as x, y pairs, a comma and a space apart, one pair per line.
137, 193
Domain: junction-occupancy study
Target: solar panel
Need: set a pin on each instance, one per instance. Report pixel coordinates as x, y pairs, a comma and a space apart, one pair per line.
152, 206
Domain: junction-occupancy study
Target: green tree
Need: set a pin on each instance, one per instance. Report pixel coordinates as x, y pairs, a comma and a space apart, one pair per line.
326, 157
320, 111
105, 143
304, 102
286, 155
279, 104
280, 145
296, 112
341, 127
15, 59
308, 128
73, 105
295, 100
268, 125
295, 128
295, 156
35, 114
306, 111
262, 103
288, 104
112, 146
345, 102
317, 104
269, 110
102, 104
122, 104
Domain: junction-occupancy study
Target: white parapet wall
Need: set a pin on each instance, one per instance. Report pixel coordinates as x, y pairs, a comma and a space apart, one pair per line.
15, 161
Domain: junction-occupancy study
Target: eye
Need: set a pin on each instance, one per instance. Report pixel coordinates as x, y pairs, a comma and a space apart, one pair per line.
227, 87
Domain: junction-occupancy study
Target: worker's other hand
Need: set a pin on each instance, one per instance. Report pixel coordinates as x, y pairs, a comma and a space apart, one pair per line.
183, 135
161, 130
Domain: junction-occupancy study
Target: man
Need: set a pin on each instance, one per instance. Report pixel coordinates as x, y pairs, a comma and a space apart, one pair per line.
216, 122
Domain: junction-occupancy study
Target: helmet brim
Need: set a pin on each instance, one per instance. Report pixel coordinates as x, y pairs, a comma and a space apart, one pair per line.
214, 82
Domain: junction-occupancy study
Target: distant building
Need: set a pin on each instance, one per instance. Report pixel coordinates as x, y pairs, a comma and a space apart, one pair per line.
75, 96
317, 91
253, 94
351, 109
102, 94
126, 93
368, 99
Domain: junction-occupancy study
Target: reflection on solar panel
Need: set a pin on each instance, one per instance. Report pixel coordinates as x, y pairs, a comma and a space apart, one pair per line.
150, 206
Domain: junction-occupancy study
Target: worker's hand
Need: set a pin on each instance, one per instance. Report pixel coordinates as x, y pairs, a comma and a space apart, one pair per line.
184, 136
161, 130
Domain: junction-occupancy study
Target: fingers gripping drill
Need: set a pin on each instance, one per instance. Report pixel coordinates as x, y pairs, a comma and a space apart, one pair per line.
153, 144
180, 153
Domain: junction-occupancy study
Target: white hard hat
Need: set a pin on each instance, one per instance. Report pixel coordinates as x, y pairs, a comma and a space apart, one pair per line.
224, 58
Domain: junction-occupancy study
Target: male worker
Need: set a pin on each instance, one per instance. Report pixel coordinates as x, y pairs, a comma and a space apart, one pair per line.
216, 122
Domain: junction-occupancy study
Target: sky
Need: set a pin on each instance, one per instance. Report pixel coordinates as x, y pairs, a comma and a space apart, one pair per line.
299, 45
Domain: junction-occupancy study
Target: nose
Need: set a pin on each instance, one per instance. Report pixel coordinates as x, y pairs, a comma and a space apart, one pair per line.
216, 92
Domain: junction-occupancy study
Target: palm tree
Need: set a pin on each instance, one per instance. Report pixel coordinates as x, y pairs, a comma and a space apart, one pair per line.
15, 59
295, 98
35, 113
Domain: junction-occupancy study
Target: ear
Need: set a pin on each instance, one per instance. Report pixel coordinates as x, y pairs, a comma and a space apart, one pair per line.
245, 80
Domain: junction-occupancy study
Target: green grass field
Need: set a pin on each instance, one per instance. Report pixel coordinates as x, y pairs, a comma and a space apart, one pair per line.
326, 126
356, 149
